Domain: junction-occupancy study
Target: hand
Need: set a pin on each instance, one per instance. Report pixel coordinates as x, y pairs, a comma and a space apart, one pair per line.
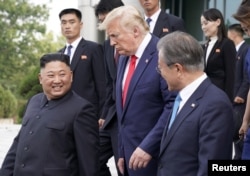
101, 122
243, 130
239, 100
139, 159
120, 165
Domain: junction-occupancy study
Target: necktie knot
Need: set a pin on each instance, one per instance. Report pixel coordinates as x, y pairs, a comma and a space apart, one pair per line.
148, 20
69, 50
133, 58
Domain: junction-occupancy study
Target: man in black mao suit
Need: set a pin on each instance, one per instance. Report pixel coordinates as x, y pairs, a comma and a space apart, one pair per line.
161, 22
108, 120
59, 132
86, 60
241, 84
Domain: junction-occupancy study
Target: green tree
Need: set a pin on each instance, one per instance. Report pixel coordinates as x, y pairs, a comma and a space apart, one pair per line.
22, 27
8, 103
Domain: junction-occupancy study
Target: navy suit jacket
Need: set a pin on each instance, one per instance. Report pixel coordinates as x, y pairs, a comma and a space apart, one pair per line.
241, 85
220, 66
148, 103
167, 23
109, 109
202, 131
88, 70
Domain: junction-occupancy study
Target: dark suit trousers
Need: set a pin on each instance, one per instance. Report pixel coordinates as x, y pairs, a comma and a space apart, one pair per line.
108, 146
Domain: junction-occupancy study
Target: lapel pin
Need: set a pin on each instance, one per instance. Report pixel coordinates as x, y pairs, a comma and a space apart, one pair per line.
192, 105
146, 61
165, 30
217, 50
238, 57
83, 57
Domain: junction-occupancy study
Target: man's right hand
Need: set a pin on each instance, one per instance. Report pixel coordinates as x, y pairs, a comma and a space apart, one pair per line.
101, 122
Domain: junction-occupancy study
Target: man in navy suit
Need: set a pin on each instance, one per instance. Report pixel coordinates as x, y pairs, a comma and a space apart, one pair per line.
86, 60
202, 130
160, 22
241, 84
108, 120
144, 102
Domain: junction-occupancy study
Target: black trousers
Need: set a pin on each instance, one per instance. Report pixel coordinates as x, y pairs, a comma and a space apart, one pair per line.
108, 147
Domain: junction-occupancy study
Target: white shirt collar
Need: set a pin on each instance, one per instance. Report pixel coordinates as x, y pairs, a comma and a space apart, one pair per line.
239, 45
187, 91
143, 45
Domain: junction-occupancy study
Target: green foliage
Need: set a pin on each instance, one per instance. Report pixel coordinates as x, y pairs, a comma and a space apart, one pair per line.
8, 103
30, 85
23, 40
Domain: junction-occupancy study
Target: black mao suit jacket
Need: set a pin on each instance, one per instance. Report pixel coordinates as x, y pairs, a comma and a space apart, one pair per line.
57, 138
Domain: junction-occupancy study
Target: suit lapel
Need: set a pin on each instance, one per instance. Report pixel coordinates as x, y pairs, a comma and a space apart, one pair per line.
191, 104
77, 55
142, 65
120, 71
161, 24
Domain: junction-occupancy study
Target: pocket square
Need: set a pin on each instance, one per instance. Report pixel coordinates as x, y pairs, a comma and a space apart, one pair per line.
165, 30
217, 50
83, 57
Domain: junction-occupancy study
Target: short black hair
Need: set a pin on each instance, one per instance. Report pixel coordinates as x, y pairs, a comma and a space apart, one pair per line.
105, 6
237, 28
54, 57
71, 11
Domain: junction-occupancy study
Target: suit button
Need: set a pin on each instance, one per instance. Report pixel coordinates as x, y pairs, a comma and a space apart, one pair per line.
159, 166
38, 117
31, 132
22, 165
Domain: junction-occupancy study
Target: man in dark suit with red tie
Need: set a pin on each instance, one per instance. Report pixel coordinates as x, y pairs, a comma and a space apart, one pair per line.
144, 102
160, 22
86, 58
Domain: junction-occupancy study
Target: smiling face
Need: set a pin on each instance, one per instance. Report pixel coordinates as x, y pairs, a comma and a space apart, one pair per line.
70, 27
210, 28
56, 79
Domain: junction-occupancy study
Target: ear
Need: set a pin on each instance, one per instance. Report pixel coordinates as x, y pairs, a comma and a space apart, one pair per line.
218, 22
40, 78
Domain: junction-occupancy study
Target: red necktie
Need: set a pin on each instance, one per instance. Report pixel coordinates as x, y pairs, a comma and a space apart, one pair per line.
131, 70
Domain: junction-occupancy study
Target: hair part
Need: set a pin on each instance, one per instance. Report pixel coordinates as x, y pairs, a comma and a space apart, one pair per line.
47, 58
214, 14
128, 17
236, 28
180, 47
243, 12
71, 11
105, 6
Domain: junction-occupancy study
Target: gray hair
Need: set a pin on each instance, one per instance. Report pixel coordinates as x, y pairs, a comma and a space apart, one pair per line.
180, 47
128, 17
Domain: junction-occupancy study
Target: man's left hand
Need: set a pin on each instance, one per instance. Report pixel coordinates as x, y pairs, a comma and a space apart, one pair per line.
139, 159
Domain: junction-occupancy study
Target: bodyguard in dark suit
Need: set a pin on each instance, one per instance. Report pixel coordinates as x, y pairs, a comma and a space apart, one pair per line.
108, 120
219, 52
160, 22
241, 84
202, 128
86, 60
144, 103
59, 132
